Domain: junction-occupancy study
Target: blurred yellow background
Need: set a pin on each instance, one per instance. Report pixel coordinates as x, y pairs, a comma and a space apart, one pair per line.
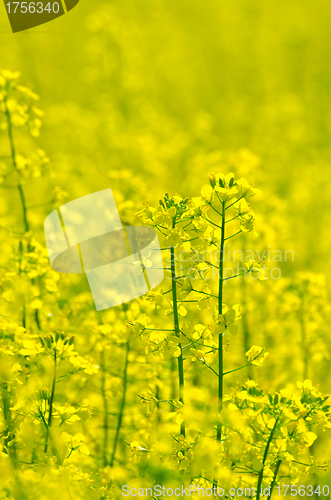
151, 86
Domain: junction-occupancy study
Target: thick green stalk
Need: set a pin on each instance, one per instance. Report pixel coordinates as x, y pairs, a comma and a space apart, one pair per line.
51, 401
121, 410
220, 337
177, 332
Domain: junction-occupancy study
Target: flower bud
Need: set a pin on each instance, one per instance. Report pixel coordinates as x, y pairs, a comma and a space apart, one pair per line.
43, 394
212, 179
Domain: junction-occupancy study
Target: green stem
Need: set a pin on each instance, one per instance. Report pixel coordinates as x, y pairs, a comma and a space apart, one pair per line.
305, 354
6, 397
51, 401
220, 337
13, 158
121, 410
243, 366
233, 235
105, 408
56, 453
229, 206
244, 315
205, 293
265, 456
273, 484
173, 382
177, 331
22, 198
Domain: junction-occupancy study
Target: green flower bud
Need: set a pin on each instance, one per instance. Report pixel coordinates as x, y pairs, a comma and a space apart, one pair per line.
212, 179
166, 200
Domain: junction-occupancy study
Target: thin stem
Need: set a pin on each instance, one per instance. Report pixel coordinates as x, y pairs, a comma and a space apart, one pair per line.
211, 264
274, 478
265, 456
233, 218
121, 411
51, 401
6, 398
305, 355
220, 337
229, 206
177, 330
205, 293
244, 315
158, 330
210, 221
244, 366
56, 453
13, 158
193, 342
215, 209
237, 275
233, 235
105, 407
212, 369
20, 191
